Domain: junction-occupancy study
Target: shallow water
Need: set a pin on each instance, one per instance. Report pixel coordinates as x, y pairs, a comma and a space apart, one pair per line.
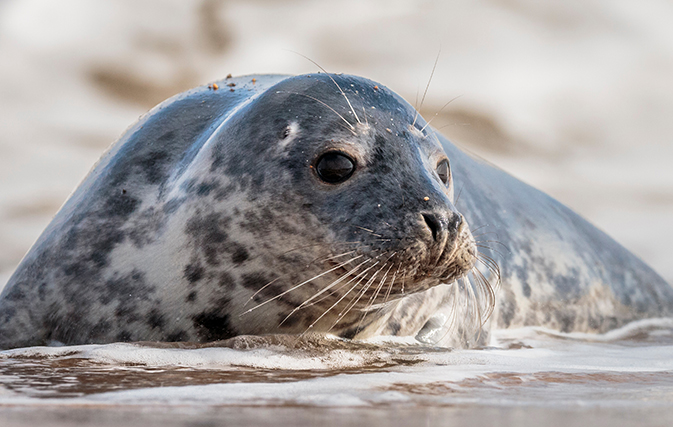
524, 377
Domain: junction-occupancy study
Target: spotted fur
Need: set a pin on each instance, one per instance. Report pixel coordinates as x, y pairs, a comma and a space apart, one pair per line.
207, 220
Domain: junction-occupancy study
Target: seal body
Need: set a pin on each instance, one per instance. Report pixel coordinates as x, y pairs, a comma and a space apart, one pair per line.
279, 204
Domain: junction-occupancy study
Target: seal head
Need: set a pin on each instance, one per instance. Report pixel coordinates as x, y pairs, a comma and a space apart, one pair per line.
344, 202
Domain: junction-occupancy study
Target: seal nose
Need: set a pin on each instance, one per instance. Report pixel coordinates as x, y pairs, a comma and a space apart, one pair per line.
440, 225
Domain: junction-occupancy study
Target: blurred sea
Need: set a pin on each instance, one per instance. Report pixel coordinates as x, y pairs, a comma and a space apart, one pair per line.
573, 97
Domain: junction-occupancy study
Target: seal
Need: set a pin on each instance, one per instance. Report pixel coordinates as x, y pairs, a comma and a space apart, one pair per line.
264, 208
316, 203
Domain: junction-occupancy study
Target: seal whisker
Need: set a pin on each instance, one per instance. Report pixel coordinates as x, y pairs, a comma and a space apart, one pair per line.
472, 302
434, 67
459, 193
390, 287
364, 114
440, 110
368, 230
485, 285
346, 275
319, 244
301, 284
358, 296
261, 289
337, 85
340, 299
337, 256
325, 289
318, 301
489, 248
479, 228
372, 299
284, 275
482, 242
352, 128
490, 263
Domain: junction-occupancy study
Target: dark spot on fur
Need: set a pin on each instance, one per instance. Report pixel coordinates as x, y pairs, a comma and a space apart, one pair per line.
526, 289
120, 206
239, 256
210, 235
226, 281
15, 294
222, 193
177, 336
100, 329
204, 188
42, 291
193, 272
567, 321
172, 205
507, 309
213, 326
254, 281
289, 321
191, 297
394, 327
155, 319
153, 164
124, 336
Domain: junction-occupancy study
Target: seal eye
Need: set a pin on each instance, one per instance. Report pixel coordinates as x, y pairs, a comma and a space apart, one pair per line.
335, 167
444, 171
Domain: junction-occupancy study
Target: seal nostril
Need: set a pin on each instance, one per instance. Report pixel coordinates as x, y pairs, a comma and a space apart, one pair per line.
433, 224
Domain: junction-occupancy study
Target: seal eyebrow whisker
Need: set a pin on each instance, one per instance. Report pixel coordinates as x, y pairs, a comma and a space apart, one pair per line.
440, 110
352, 128
427, 86
364, 114
333, 81
299, 285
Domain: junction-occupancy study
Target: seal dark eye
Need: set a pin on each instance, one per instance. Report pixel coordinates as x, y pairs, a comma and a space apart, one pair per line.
443, 171
335, 167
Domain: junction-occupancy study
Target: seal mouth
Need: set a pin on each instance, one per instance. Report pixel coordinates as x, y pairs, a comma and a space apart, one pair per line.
407, 271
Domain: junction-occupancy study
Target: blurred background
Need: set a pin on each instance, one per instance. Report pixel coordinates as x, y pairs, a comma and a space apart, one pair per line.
574, 97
